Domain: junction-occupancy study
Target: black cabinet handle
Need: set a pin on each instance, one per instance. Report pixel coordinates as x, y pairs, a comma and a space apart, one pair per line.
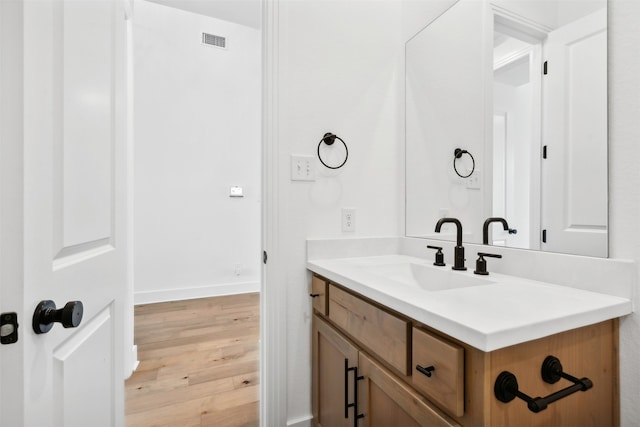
314, 295
347, 405
354, 405
427, 371
506, 386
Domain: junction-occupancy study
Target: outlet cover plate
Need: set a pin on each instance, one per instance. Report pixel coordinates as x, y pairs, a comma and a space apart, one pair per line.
348, 219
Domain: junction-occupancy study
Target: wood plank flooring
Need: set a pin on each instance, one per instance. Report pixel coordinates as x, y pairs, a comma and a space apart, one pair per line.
198, 363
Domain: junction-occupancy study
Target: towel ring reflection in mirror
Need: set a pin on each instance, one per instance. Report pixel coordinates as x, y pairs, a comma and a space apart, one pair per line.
329, 138
457, 154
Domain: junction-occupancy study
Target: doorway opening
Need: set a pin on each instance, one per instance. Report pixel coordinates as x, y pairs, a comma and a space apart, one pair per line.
516, 136
197, 171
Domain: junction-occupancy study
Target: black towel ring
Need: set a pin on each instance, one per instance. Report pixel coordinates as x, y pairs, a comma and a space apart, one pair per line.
458, 154
329, 138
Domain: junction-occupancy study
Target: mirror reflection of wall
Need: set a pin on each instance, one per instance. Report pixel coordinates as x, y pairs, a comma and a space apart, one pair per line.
445, 110
556, 204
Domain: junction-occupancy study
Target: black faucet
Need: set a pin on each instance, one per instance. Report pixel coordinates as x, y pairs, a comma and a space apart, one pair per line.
485, 228
458, 252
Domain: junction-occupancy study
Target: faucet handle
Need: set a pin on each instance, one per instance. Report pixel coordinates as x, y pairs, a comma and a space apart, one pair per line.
439, 255
481, 263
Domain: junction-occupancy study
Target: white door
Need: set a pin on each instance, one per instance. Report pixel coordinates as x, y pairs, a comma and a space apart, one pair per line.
69, 184
574, 187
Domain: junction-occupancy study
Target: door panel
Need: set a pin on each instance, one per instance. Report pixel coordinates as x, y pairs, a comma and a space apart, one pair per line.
84, 62
87, 354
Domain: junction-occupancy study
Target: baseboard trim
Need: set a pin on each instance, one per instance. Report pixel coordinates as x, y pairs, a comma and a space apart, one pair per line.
133, 361
301, 422
222, 289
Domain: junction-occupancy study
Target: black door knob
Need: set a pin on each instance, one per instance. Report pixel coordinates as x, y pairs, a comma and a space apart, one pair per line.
46, 315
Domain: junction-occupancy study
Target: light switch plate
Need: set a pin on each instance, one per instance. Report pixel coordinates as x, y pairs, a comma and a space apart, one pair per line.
473, 182
302, 168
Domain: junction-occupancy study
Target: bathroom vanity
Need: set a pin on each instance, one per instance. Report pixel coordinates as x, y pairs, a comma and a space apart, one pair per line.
392, 347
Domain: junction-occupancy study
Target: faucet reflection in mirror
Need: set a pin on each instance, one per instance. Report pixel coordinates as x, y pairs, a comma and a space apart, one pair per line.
485, 229
507, 113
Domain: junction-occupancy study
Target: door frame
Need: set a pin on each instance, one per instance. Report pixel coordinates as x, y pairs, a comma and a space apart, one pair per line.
525, 29
273, 318
11, 208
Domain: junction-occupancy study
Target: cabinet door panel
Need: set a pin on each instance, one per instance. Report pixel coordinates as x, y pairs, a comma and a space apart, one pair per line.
328, 371
386, 401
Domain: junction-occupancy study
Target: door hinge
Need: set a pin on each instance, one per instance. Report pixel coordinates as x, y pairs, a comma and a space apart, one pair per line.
264, 257
544, 68
8, 328
544, 152
544, 236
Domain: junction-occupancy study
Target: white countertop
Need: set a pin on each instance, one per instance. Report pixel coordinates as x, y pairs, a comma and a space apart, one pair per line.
509, 310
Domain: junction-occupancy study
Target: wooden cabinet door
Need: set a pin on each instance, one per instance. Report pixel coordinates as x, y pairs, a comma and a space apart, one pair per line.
386, 401
333, 384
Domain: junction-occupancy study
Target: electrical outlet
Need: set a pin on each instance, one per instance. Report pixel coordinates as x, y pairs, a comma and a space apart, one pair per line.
348, 219
302, 168
237, 269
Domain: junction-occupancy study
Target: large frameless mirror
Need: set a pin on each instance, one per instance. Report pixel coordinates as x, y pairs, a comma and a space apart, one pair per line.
506, 116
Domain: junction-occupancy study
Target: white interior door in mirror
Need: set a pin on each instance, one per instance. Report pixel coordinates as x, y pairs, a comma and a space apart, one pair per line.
574, 189
74, 209
445, 110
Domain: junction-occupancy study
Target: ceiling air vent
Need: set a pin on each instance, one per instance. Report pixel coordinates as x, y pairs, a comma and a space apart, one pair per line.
213, 40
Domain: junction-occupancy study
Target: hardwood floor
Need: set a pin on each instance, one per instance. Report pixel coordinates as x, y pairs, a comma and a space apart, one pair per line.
198, 363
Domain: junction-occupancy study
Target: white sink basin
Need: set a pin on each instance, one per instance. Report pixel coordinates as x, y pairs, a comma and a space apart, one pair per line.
426, 277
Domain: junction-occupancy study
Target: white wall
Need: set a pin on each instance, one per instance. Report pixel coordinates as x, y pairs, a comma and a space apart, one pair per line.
338, 72
441, 91
197, 133
624, 181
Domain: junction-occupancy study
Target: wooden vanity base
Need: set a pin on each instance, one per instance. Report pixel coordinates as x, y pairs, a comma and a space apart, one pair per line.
454, 385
